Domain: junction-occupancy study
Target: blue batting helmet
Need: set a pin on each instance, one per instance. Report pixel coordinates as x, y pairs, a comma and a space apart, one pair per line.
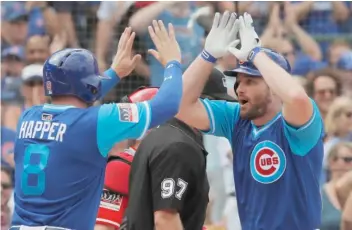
250, 69
72, 72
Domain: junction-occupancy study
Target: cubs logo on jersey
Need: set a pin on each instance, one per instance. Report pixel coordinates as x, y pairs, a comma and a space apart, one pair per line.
268, 162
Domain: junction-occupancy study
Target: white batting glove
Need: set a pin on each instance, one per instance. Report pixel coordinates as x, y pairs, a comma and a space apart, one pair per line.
223, 32
248, 38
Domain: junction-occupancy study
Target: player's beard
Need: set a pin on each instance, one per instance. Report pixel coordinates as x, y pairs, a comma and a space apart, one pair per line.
258, 106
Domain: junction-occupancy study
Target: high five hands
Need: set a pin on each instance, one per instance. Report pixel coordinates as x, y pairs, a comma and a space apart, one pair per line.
167, 48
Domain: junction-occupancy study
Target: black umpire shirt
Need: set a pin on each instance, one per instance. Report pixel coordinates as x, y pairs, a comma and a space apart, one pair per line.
168, 173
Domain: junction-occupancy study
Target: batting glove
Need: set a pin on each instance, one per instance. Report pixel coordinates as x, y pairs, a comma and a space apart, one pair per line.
250, 43
224, 31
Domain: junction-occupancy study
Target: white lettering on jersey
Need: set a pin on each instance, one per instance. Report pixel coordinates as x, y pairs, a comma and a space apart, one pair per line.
53, 131
168, 188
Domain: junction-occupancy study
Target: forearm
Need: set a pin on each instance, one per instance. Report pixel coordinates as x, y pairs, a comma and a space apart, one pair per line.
302, 9
51, 19
167, 221
143, 17
278, 80
340, 11
194, 79
109, 81
307, 43
103, 35
166, 102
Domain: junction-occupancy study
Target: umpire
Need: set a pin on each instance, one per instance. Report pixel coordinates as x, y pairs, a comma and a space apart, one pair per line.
168, 182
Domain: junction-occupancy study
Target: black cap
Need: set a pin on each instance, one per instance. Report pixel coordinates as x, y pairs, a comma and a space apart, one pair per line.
216, 88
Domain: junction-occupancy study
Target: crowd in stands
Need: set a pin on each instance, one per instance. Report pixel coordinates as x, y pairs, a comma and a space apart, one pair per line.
315, 37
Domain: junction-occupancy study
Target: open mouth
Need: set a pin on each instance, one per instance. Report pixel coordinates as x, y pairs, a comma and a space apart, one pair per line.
243, 102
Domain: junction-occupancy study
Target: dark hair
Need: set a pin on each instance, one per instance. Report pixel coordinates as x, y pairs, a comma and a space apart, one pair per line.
328, 72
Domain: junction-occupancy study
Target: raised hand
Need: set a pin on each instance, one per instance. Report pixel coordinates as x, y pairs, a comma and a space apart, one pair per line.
167, 48
248, 38
224, 31
124, 61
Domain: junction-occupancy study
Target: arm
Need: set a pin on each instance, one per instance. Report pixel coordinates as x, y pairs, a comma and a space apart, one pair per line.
122, 64
302, 9
305, 41
340, 10
192, 111
173, 175
143, 17
297, 106
109, 14
167, 220
131, 121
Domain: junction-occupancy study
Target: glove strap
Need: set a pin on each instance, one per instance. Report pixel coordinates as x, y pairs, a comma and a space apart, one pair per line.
208, 57
253, 53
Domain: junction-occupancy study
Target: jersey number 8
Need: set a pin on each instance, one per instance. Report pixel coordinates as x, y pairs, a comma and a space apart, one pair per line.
168, 188
36, 169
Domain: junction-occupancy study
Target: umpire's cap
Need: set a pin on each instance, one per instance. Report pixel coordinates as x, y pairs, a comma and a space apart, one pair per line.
250, 69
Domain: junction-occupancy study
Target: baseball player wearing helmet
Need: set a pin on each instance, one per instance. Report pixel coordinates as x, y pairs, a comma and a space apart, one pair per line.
275, 129
61, 148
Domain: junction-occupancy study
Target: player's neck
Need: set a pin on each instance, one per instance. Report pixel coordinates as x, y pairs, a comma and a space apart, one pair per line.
268, 116
69, 101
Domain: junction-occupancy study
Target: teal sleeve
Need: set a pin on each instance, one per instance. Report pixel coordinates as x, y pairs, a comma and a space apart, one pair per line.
223, 117
302, 139
118, 122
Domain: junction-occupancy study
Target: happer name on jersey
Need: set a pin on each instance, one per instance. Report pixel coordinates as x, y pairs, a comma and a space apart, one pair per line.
53, 131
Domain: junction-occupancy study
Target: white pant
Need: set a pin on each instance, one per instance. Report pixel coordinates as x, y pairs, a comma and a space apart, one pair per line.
231, 214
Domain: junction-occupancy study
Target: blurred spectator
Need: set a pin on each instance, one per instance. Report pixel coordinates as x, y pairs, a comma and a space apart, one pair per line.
177, 13
6, 192
339, 163
7, 144
323, 18
37, 49
303, 60
259, 11
113, 17
14, 24
12, 61
32, 89
336, 49
324, 86
338, 123
344, 65
22, 20
73, 16
344, 194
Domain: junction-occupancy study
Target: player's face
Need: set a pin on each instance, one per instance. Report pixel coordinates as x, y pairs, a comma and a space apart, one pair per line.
253, 95
341, 162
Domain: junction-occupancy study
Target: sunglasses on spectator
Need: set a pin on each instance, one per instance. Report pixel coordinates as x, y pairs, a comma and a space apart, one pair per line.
6, 185
345, 159
34, 83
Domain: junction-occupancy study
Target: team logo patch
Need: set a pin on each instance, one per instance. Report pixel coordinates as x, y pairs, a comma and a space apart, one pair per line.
268, 162
47, 117
111, 200
128, 112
